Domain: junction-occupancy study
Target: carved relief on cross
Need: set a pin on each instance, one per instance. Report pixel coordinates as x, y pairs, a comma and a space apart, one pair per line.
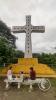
28, 29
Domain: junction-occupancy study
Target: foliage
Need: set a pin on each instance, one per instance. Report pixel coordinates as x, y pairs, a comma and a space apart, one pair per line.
5, 31
49, 59
5, 51
8, 54
19, 54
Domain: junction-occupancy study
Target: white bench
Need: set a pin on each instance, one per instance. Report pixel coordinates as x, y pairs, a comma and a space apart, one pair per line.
14, 80
20, 81
39, 81
32, 82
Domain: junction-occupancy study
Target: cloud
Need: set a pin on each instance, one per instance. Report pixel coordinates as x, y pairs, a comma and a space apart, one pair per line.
43, 12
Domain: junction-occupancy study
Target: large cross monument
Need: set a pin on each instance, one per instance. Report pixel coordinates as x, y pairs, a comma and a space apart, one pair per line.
28, 29
25, 63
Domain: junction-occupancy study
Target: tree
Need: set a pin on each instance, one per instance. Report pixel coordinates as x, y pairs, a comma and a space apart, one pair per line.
7, 52
49, 59
5, 31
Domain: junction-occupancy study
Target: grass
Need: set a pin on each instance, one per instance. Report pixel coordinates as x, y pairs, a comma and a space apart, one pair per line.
53, 82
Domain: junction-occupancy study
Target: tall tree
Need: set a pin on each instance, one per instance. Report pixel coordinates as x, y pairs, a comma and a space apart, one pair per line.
5, 31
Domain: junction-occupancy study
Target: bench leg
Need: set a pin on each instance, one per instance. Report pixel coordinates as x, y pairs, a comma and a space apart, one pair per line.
7, 85
18, 85
31, 86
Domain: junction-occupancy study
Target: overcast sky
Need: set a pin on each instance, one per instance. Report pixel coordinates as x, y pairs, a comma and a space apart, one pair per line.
43, 12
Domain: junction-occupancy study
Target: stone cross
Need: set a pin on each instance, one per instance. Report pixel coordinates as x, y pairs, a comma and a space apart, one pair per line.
28, 29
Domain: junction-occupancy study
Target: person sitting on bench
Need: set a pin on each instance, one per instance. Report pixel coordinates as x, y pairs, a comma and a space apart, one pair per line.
9, 73
32, 73
21, 75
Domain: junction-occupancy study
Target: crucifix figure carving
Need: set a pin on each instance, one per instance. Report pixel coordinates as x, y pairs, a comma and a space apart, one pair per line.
28, 29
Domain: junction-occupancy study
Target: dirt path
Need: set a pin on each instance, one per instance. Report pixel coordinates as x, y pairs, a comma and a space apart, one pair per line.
23, 94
